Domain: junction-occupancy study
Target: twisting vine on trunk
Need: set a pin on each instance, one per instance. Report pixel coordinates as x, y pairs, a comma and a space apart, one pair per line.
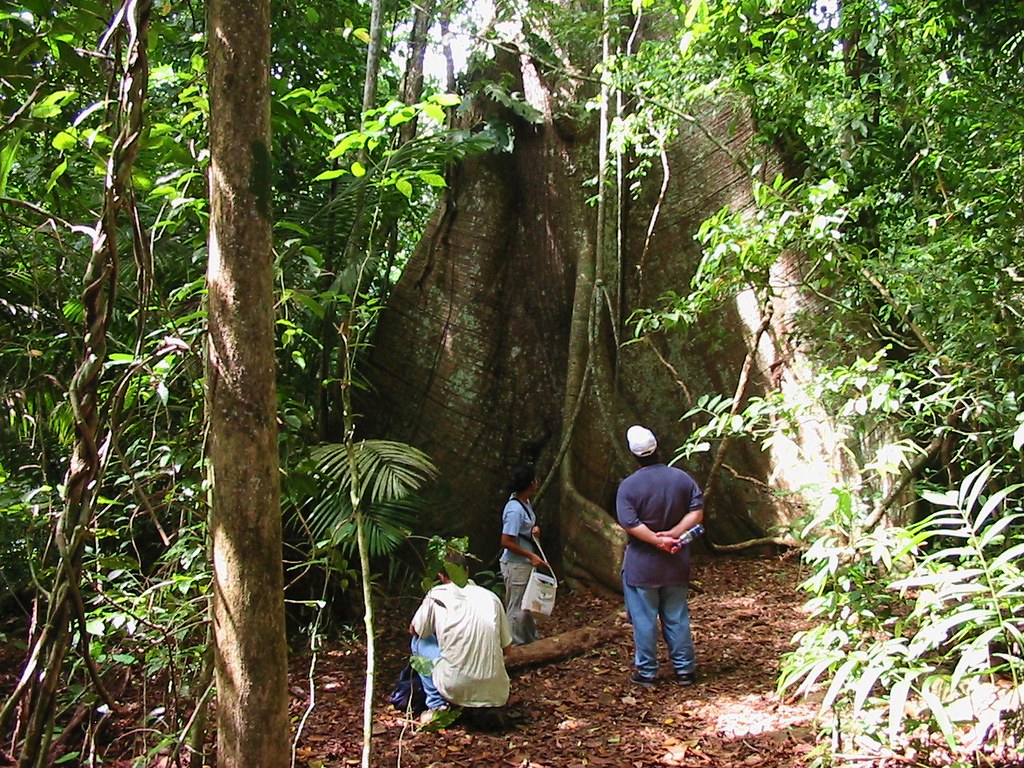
35, 696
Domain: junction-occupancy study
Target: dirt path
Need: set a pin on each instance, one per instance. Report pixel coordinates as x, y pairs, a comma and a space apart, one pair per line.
584, 712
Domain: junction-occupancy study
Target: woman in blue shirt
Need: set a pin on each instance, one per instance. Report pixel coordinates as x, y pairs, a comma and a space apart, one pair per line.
519, 529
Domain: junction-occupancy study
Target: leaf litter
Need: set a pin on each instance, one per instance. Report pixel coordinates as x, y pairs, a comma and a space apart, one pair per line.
583, 712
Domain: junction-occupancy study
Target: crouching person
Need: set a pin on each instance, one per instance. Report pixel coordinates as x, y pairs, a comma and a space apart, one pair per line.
464, 631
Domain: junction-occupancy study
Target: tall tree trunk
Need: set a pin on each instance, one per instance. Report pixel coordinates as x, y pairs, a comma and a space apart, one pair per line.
449, 59
245, 523
350, 340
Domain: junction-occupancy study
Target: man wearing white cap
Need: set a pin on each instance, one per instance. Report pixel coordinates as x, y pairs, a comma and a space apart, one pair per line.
656, 505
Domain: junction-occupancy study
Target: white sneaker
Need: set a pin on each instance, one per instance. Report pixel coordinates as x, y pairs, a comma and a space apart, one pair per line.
428, 715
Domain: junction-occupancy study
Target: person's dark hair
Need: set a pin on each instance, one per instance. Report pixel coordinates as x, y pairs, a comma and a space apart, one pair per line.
455, 557
648, 460
454, 563
521, 478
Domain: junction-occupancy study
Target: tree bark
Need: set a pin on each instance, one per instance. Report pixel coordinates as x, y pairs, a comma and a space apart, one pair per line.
412, 85
245, 523
566, 645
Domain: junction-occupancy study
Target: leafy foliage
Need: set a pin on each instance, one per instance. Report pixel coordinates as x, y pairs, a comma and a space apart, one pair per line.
921, 629
885, 155
145, 572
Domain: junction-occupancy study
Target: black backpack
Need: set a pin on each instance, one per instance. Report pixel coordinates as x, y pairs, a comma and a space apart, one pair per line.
408, 694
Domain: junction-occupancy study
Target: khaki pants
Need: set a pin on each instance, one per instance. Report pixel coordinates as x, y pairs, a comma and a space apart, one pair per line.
520, 622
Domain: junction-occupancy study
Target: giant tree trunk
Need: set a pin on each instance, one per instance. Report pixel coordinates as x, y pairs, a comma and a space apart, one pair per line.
469, 361
502, 342
245, 523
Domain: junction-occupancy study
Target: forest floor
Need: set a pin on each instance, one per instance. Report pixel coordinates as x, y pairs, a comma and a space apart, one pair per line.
584, 711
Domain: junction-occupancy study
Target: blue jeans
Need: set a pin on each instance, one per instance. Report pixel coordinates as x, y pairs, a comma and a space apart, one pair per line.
645, 606
428, 648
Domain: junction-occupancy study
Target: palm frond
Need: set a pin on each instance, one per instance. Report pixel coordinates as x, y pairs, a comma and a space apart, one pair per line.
387, 475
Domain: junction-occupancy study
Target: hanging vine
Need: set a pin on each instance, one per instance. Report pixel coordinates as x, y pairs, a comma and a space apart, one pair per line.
35, 696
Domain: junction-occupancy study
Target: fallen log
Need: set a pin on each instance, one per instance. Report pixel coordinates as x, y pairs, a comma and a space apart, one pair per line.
567, 644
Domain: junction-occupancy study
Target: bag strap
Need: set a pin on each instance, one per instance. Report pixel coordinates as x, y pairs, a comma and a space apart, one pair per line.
540, 551
518, 501
536, 542
530, 538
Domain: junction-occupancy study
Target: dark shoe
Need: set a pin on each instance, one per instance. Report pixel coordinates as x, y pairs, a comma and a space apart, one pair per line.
686, 678
637, 679
490, 719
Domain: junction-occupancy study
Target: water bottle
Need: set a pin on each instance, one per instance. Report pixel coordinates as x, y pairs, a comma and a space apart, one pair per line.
691, 534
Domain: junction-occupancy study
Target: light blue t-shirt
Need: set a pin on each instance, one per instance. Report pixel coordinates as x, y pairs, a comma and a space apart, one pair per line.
517, 520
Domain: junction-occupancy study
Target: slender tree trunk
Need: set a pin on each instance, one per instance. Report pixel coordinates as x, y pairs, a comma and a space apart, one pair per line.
245, 521
412, 92
349, 340
412, 87
449, 60
373, 55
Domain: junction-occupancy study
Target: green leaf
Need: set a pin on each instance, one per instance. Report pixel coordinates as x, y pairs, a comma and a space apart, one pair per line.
347, 141
45, 111
434, 112
1008, 556
898, 704
458, 574
972, 487
403, 186
358, 169
401, 117
813, 673
691, 12
938, 711
309, 303
932, 579
293, 226
433, 179
56, 174
994, 531
7, 157
864, 686
994, 502
328, 175
421, 664
446, 99
839, 681
975, 656
387, 474
64, 141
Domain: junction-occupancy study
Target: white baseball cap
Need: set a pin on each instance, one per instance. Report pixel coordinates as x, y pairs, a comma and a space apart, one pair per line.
641, 440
